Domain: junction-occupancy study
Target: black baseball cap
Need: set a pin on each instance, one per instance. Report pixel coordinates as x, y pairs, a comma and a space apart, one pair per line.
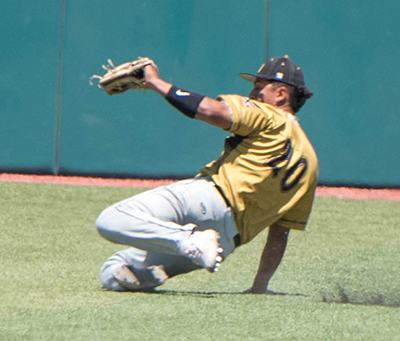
278, 69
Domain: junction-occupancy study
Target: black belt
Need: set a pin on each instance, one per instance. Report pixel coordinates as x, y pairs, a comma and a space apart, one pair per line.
223, 196
237, 240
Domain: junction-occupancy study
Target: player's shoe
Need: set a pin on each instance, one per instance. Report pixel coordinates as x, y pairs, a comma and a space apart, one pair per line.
203, 249
135, 279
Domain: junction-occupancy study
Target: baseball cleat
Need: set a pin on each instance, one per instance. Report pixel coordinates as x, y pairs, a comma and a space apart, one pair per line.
203, 249
216, 268
140, 279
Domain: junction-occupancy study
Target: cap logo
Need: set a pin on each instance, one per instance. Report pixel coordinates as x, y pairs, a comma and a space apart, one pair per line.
279, 75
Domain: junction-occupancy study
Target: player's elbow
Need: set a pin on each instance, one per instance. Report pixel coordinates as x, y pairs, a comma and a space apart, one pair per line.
215, 113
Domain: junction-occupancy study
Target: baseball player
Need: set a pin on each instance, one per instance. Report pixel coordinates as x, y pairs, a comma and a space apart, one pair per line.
265, 177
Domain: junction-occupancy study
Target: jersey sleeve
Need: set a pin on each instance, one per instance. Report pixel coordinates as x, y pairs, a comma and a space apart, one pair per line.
246, 117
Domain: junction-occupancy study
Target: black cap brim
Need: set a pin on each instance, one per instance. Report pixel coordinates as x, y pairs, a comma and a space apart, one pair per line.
248, 77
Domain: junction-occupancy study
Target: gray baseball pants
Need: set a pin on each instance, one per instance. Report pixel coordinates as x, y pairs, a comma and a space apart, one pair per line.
154, 224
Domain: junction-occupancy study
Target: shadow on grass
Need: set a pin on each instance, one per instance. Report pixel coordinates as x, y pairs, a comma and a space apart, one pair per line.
212, 294
339, 297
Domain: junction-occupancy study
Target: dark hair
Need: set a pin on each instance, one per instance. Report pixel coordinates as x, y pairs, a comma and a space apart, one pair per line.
297, 96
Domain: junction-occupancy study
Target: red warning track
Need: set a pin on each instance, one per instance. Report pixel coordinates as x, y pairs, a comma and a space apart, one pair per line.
338, 192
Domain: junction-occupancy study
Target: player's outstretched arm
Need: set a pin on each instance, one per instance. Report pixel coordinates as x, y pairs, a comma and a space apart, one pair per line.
270, 258
189, 103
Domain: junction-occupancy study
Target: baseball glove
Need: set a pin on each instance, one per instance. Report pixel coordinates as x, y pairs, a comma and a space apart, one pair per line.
123, 77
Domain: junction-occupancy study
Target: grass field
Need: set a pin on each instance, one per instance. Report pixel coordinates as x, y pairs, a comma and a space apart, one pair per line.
340, 280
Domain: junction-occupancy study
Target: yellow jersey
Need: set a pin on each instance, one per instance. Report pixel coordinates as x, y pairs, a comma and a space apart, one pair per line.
268, 170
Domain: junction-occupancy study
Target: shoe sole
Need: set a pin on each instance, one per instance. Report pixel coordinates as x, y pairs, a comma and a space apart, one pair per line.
140, 279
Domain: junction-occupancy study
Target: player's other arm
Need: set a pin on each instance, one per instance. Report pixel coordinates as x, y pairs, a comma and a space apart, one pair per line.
191, 104
270, 258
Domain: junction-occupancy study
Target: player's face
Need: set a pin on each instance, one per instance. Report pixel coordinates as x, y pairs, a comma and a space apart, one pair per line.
263, 91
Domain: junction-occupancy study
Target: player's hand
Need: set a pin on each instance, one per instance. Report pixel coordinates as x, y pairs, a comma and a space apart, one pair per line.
151, 76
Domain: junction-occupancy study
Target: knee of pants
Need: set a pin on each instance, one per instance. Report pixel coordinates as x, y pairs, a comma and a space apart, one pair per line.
105, 222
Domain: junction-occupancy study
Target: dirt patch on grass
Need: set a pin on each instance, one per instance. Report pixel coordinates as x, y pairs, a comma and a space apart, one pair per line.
83, 181
359, 193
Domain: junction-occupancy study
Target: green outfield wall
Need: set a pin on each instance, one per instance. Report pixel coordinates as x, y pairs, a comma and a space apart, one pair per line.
54, 122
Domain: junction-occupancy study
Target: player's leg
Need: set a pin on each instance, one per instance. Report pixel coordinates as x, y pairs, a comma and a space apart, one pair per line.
136, 270
163, 220
149, 221
127, 270
200, 204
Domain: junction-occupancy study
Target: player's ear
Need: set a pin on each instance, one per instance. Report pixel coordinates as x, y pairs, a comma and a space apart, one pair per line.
282, 95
